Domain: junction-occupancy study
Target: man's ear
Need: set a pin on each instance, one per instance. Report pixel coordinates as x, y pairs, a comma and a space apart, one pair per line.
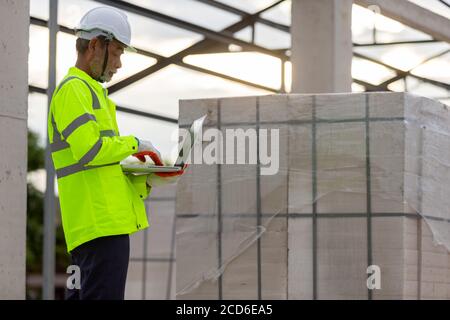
89, 53
92, 44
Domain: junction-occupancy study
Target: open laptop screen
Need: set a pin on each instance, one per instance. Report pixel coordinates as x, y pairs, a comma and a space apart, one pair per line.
195, 135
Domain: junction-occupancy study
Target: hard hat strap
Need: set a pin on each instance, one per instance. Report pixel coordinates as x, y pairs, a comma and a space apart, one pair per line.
102, 77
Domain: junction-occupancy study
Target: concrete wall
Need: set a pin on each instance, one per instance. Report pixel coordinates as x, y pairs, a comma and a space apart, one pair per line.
14, 24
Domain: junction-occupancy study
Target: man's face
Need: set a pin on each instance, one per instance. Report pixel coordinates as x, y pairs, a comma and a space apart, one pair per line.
115, 50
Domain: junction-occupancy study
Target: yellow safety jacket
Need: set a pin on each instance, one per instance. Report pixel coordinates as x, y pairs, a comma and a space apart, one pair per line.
97, 199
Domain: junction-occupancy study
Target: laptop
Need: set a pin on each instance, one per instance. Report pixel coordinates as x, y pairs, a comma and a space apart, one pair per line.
195, 135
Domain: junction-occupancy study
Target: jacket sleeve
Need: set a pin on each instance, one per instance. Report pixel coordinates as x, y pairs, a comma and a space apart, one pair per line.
75, 120
112, 107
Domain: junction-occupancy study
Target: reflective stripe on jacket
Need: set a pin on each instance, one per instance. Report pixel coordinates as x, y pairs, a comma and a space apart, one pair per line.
96, 198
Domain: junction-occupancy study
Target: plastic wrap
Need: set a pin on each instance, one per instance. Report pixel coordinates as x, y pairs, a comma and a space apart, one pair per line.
354, 174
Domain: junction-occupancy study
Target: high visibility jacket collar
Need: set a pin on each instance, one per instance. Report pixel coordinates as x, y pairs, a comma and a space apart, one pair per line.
76, 72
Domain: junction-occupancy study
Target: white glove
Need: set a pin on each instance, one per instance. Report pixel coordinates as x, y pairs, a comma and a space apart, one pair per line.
145, 145
156, 181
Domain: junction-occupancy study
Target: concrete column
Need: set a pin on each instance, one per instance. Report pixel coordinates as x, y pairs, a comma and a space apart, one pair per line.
321, 46
14, 28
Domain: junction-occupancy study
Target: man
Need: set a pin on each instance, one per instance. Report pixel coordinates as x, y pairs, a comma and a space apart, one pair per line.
100, 205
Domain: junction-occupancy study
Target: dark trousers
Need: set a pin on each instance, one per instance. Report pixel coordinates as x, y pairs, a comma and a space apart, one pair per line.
103, 264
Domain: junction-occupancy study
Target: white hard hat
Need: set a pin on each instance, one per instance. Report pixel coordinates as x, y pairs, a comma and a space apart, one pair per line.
108, 22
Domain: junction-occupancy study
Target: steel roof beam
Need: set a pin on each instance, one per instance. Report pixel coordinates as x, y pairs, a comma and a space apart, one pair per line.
225, 7
413, 16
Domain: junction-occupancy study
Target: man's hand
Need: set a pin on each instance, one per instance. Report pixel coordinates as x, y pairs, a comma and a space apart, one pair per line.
158, 162
147, 148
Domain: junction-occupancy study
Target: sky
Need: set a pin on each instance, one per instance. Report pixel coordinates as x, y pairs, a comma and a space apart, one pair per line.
160, 92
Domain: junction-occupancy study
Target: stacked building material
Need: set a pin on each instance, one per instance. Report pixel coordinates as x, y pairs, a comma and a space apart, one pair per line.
353, 212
